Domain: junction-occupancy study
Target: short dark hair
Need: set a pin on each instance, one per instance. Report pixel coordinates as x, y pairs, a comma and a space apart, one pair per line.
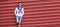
19, 2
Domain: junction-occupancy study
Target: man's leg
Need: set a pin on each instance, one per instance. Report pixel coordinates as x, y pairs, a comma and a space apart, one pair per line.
19, 18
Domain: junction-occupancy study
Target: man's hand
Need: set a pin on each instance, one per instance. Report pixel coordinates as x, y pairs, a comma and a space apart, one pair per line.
19, 25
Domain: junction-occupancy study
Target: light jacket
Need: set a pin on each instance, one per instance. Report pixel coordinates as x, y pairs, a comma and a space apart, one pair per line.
19, 12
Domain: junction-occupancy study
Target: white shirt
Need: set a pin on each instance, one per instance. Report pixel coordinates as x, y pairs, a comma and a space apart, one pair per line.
19, 14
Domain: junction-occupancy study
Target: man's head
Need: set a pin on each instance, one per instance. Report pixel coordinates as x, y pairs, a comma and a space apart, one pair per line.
19, 3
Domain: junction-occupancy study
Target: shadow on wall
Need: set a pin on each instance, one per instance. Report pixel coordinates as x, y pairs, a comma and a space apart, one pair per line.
44, 0
48, 0
3, 0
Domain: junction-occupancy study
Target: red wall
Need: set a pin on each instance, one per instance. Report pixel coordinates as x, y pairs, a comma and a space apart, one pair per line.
37, 13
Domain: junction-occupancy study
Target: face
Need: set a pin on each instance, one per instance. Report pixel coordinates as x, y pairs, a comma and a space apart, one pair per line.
19, 4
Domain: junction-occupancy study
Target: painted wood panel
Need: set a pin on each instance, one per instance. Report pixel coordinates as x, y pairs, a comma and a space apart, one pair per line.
37, 13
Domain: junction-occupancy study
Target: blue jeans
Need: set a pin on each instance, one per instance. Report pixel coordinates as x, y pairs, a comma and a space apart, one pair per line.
19, 18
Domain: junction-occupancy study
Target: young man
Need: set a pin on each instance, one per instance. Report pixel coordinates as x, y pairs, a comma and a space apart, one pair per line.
19, 12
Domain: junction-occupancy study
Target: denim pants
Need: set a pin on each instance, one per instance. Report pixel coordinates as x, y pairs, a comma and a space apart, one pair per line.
19, 19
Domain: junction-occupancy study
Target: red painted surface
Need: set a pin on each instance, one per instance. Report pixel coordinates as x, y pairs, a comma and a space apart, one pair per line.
37, 13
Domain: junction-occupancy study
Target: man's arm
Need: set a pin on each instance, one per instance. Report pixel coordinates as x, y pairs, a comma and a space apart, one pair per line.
23, 11
15, 11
